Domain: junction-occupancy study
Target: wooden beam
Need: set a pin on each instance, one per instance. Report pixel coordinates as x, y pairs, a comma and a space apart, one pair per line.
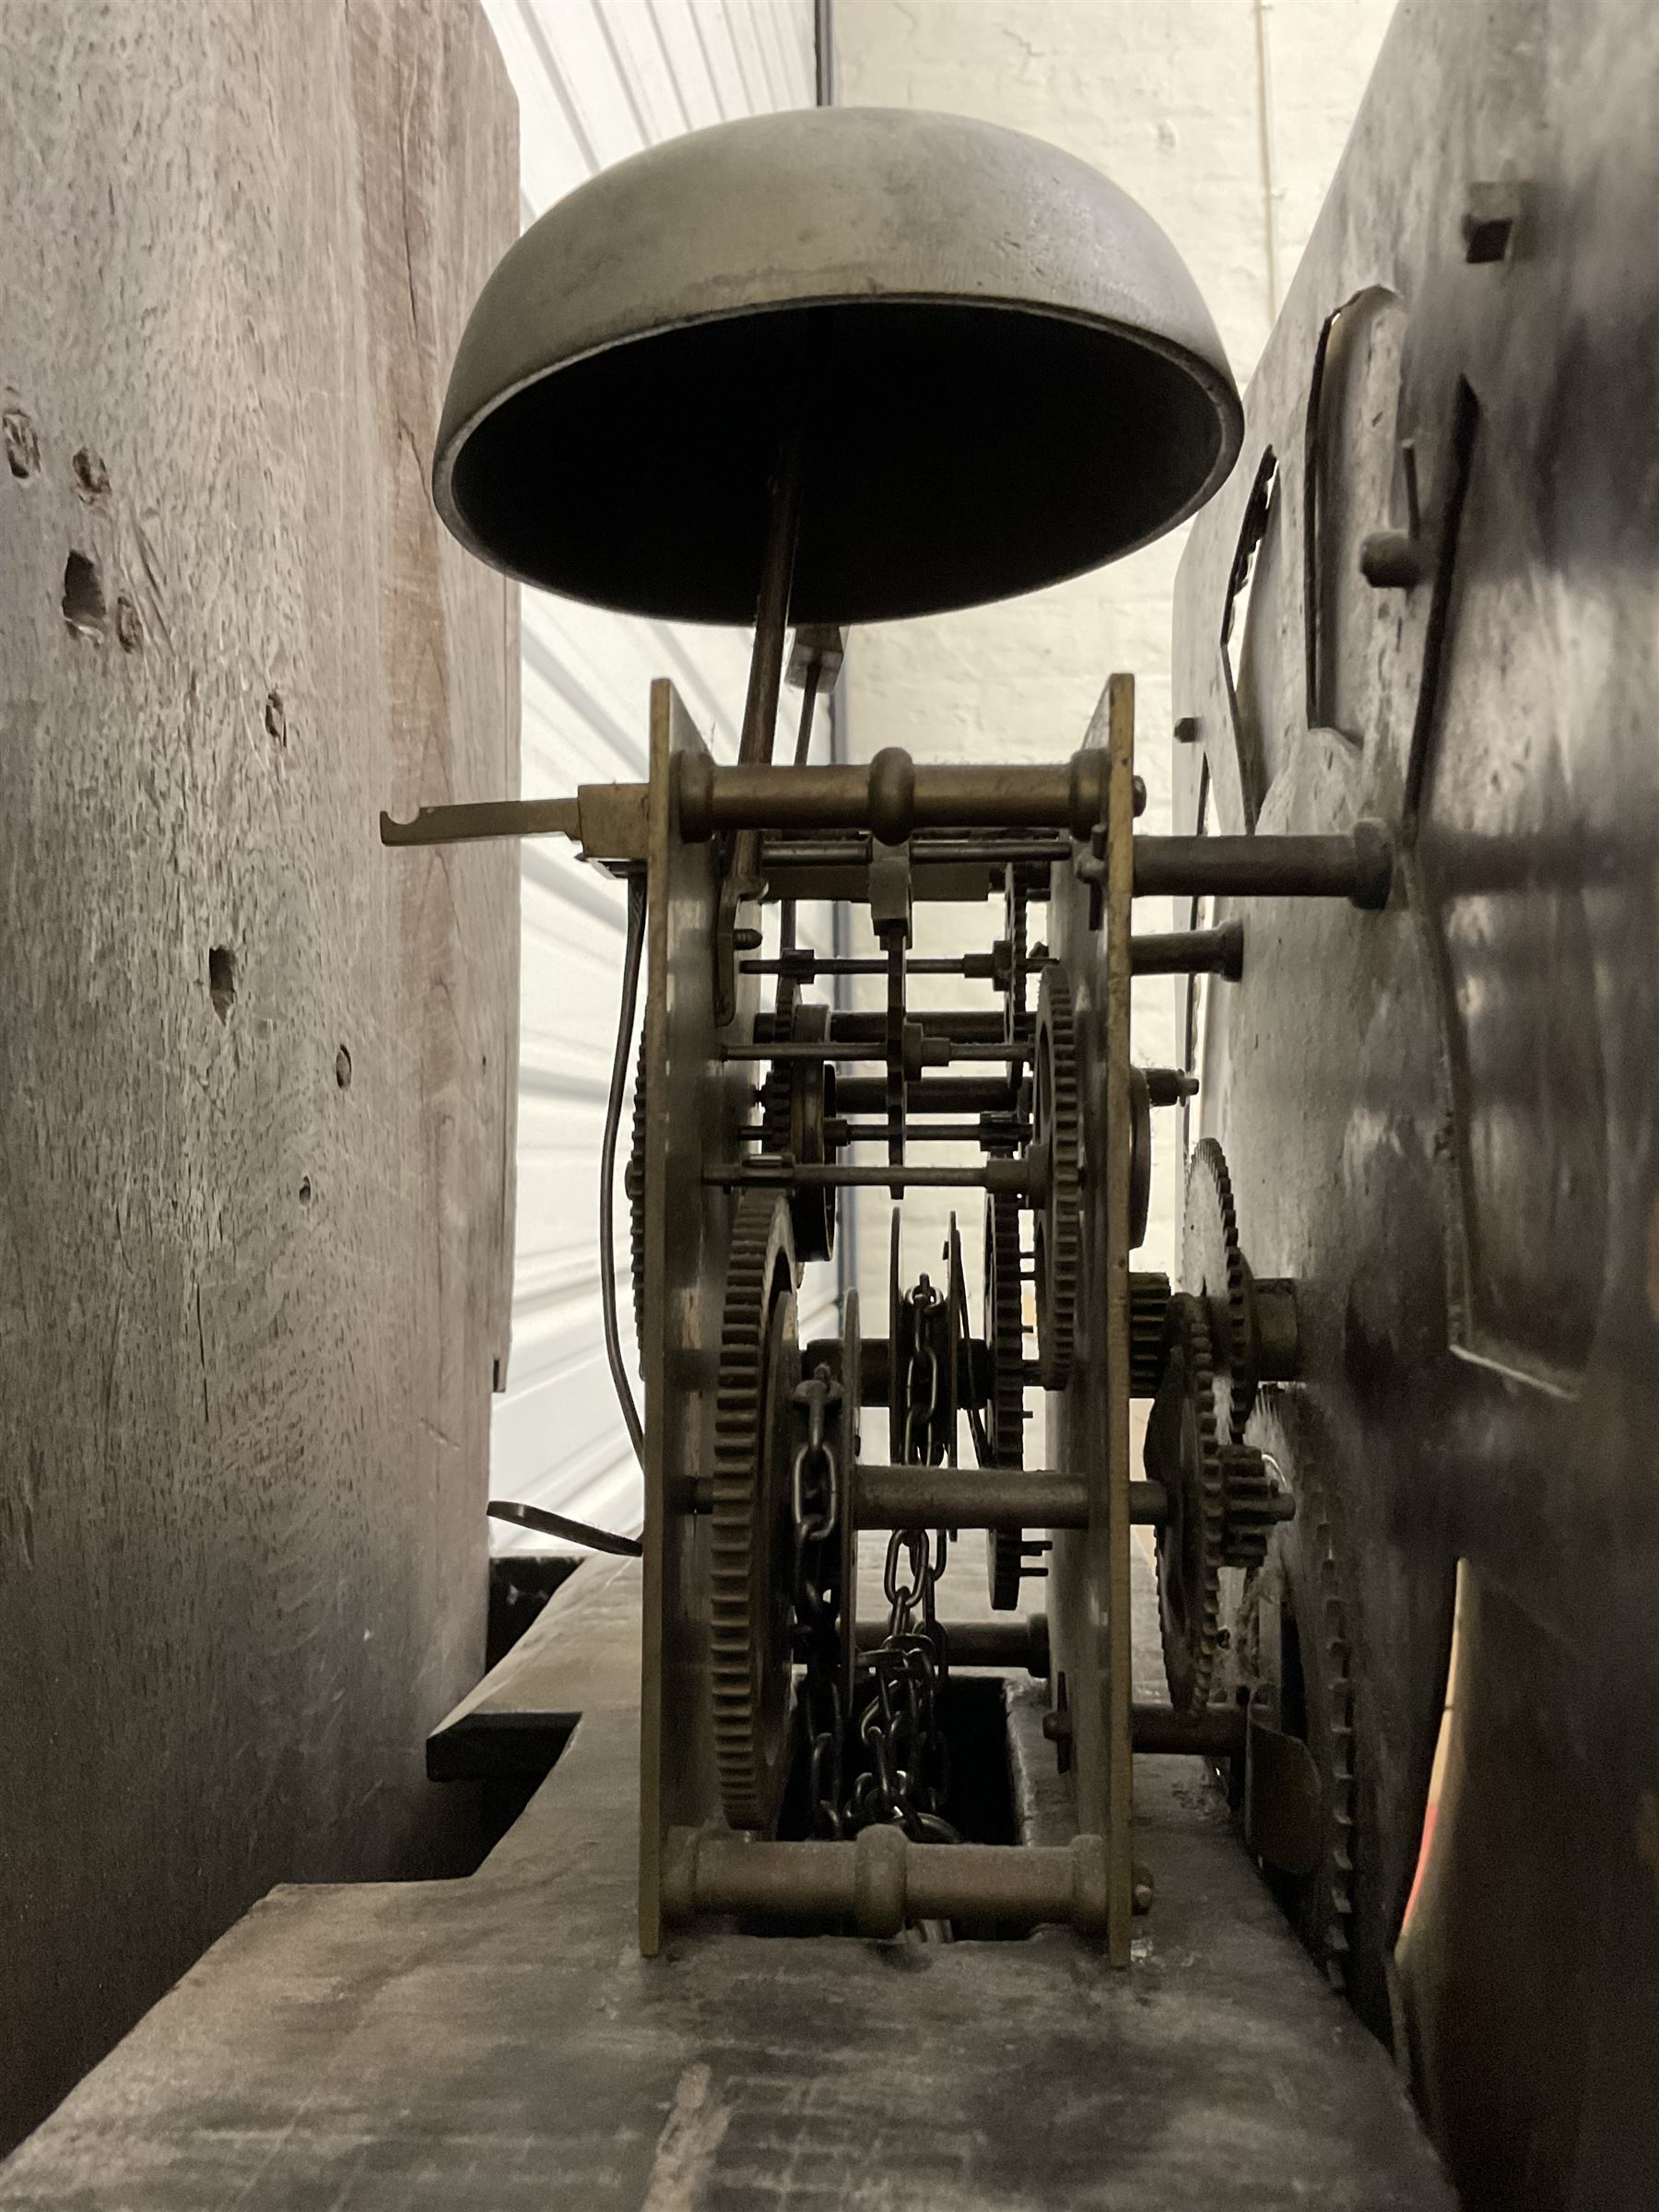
256, 1120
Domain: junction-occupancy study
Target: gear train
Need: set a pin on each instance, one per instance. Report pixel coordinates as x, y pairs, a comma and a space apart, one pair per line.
796, 1768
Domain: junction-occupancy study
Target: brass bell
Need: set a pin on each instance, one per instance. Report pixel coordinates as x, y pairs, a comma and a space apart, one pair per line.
998, 369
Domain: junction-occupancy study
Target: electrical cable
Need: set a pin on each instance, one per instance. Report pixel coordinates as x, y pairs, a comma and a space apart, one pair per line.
607, 1166
560, 1525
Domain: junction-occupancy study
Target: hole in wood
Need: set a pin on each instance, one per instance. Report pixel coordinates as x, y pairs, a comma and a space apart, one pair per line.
1489, 221
129, 627
221, 979
305, 1189
22, 447
83, 607
91, 477
1488, 240
276, 718
343, 1068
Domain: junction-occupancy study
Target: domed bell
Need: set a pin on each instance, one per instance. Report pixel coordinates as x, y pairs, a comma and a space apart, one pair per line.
1003, 373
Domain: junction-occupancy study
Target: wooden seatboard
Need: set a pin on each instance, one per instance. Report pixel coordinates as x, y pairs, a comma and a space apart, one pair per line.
499, 2043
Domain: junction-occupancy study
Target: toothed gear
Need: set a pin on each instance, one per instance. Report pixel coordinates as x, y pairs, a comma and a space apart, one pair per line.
1214, 1268
1149, 1310
1300, 1580
776, 1099
1182, 1453
1249, 1508
1058, 1229
1005, 1341
750, 1525
797, 1100
633, 1186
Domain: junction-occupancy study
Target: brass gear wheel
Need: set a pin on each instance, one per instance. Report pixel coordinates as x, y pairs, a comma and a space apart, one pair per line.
776, 1104
1149, 1310
1214, 1268
1057, 1236
1182, 1453
797, 1101
751, 1523
1004, 1343
1250, 1506
1291, 1638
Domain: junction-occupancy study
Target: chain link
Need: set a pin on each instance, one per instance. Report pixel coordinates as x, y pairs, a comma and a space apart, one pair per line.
815, 1473
921, 1404
821, 1608
903, 1775
907, 1779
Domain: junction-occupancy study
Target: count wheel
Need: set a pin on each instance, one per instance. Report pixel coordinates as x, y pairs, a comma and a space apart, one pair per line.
1184, 1454
1214, 1268
1290, 1648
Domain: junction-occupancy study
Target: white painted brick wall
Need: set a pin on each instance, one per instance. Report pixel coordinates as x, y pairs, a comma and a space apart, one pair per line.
1225, 119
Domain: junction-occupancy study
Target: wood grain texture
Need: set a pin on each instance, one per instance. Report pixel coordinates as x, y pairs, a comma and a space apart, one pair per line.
496, 2045
256, 1123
